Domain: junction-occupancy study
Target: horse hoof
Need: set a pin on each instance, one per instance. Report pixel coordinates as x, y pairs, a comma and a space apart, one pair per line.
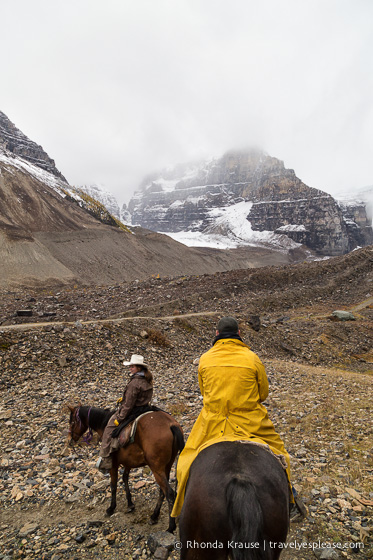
130, 509
153, 521
110, 511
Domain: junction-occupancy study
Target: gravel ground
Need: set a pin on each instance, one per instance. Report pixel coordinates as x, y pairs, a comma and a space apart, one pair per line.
53, 500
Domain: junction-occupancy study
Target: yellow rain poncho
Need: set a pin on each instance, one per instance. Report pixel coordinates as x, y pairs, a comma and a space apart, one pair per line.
233, 384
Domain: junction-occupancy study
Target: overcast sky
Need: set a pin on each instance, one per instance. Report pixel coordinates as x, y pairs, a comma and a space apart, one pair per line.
117, 89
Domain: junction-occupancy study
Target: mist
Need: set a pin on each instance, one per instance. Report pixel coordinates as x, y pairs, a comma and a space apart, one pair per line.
116, 91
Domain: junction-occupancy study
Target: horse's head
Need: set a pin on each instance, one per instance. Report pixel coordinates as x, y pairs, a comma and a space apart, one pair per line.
77, 426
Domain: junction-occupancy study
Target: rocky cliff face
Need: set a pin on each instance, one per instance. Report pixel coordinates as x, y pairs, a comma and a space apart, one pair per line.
21, 156
184, 199
316, 222
14, 141
357, 212
99, 193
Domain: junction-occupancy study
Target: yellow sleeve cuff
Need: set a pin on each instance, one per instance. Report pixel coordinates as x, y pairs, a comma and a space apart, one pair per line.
116, 422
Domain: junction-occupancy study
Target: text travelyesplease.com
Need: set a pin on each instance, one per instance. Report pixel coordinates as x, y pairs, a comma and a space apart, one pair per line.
269, 544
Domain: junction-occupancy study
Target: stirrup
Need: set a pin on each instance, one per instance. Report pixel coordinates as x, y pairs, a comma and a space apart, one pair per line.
298, 510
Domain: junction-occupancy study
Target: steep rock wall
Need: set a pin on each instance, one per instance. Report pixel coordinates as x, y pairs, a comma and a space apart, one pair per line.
317, 222
181, 199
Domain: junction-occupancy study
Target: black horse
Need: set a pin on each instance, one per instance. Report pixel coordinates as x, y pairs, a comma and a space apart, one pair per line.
236, 504
158, 439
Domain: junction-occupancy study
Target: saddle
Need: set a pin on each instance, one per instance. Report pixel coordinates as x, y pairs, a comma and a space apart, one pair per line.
124, 434
127, 435
136, 412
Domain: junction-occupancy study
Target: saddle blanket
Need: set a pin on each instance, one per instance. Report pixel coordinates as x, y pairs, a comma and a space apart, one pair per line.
127, 435
265, 446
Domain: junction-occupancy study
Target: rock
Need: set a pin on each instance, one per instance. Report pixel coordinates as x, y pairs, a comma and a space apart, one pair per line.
329, 554
343, 504
111, 538
28, 529
73, 498
342, 316
162, 539
353, 493
287, 348
254, 322
24, 312
161, 553
80, 538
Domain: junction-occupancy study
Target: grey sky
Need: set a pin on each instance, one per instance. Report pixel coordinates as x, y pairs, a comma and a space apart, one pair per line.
117, 89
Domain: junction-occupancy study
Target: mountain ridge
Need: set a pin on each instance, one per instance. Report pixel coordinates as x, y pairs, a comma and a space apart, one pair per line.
50, 234
189, 198
17, 143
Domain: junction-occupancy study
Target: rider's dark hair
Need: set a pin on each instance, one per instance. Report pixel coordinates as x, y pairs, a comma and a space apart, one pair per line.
148, 375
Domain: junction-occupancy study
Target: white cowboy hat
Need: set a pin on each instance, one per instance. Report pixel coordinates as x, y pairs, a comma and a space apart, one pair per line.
136, 360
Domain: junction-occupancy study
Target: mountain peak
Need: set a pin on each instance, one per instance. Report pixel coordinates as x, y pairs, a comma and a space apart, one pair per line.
245, 197
14, 141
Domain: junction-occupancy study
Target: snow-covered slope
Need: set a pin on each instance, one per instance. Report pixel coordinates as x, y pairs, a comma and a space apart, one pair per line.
88, 202
100, 193
230, 228
10, 160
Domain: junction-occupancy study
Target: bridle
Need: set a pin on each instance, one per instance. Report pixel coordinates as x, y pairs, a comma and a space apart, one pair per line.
77, 420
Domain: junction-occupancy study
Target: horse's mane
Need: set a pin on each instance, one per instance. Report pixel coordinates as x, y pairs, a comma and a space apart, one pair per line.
98, 417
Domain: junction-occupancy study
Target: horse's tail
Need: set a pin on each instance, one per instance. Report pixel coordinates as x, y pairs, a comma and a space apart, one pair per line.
246, 521
179, 443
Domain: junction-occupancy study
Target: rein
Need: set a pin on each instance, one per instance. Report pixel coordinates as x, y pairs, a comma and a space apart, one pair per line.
87, 438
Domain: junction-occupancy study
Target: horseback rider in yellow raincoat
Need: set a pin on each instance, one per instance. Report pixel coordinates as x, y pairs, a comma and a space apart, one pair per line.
233, 383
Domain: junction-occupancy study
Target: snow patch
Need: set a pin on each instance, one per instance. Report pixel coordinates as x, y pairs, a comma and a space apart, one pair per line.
44, 176
292, 227
230, 229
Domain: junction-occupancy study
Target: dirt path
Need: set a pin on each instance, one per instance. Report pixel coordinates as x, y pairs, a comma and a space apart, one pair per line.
117, 320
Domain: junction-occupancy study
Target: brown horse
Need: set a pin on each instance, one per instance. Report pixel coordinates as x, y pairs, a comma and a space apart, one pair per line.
158, 439
236, 505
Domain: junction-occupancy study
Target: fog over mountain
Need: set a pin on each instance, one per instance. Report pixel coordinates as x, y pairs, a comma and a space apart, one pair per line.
53, 234
117, 93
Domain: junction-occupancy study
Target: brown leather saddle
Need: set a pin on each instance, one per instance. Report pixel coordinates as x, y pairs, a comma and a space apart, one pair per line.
127, 435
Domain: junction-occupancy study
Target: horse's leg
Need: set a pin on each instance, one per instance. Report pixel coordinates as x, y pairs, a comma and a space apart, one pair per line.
162, 481
157, 509
130, 504
170, 495
113, 486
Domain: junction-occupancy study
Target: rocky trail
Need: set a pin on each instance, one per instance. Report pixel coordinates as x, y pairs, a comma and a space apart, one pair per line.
53, 500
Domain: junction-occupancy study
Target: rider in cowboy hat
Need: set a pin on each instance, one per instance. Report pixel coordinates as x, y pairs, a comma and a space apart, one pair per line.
137, 393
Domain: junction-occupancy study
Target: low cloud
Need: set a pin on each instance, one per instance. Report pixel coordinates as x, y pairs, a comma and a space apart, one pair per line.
113, 92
